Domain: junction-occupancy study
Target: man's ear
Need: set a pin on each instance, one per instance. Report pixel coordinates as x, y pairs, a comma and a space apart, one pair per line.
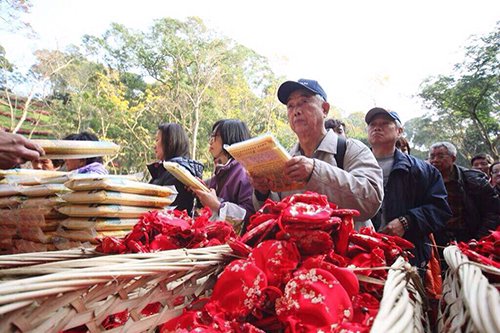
453, 158
326, 107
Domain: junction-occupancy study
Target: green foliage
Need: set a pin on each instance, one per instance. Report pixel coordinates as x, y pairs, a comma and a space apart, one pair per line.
465, 106
4, 63
356, 126
176, 71
423, 132
5, 67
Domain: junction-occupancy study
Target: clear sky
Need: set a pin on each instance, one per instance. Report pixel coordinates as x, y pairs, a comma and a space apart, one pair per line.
363, 53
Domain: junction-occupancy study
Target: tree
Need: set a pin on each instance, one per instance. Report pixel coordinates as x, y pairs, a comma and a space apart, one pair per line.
199, 77
123, 84
356, 125
86, 95
424, 131
466, 103
34, 83
6, 68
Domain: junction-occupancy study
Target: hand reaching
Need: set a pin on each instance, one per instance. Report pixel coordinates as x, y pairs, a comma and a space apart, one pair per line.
16, 149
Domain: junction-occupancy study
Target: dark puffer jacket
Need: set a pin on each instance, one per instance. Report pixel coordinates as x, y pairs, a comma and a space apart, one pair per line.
482, 207
415, 190
160, 176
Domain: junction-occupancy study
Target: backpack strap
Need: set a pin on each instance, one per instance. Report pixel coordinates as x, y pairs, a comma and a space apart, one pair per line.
341, 148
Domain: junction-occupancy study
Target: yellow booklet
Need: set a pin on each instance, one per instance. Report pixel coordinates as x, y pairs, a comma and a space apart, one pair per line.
265, 156
184, 176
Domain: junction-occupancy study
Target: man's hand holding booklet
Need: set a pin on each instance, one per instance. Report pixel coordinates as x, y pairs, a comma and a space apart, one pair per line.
265, 157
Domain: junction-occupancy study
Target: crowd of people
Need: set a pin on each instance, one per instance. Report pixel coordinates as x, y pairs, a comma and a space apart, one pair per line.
395, 192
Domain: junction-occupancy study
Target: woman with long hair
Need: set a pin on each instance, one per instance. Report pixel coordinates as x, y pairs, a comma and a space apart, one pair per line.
172, 144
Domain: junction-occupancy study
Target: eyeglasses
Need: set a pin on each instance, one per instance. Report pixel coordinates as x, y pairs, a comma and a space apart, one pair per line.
438, 156
494, 172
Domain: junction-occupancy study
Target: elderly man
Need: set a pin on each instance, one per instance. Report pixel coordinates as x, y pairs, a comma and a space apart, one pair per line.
358, 184
415, 197
16, 149
472, 200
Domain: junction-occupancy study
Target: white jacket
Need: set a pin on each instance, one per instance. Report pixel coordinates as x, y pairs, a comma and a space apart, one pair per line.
358, 186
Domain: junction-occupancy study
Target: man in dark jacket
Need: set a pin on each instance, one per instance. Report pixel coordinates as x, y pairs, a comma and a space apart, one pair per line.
473, 201
415, 197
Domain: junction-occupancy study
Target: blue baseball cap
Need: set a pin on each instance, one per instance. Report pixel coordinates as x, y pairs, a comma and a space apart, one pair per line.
376, 111
289, 87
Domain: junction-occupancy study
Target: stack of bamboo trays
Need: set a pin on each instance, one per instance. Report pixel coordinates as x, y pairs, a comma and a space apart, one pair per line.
38, 218
108, 206
28, 215
469, 302
46, 292
8, 228
43, 212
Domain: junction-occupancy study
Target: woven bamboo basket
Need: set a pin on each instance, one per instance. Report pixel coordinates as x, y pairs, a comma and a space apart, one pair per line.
469, 303
403, 304
54, 291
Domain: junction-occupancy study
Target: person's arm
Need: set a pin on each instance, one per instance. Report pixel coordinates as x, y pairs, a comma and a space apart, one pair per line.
359, 186
242, 204
488, 205
16, 149
433, 213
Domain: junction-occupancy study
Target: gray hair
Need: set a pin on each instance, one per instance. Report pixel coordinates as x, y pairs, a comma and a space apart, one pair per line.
320, 98
452, 150
398, 124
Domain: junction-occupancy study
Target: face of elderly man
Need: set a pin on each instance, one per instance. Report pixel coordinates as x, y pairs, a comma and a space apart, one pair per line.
306, 112
441, 159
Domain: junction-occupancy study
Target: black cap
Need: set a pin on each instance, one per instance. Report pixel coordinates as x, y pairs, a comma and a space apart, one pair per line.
375, 111
289, 87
